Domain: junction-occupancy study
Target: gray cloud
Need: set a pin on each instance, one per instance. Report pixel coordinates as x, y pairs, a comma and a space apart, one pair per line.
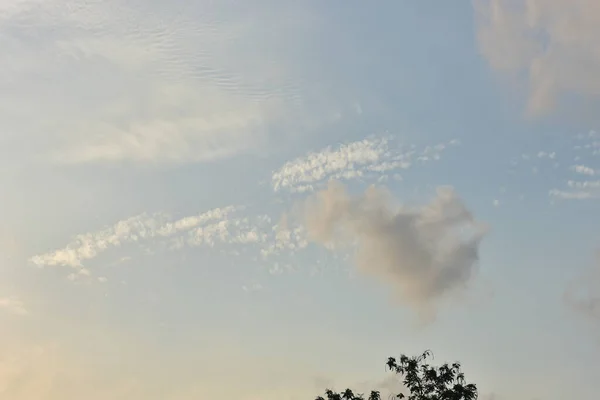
424, 253
583, 295
551, 44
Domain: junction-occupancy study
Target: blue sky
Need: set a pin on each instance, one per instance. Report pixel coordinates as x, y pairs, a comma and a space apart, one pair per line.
260, 200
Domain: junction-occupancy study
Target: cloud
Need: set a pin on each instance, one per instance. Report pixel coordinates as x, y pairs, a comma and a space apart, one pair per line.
572, 195
285, 238
253, 287
550, 45
153, 84
579, 153
583, 295
422, 253
226, 227
579, 189
583, 170
52, 371
131, 230
13, 305
584, 184
544, 154
367, 158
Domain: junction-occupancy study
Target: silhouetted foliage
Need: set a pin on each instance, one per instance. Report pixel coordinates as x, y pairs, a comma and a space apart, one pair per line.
423, 382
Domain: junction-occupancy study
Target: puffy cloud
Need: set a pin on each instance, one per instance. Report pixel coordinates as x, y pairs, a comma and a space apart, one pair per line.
584, 170
550, 44
423, 253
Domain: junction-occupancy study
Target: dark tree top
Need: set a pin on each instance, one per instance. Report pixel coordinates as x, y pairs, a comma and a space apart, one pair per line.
421, 380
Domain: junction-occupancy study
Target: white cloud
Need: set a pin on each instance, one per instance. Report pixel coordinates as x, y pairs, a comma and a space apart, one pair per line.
584, 184
285, 238
571, 195
151, 83
423, 253
583, 170
362, 159
253, 287
13, 305
544, 154
223, 226
551, 45
131, 230
579, 190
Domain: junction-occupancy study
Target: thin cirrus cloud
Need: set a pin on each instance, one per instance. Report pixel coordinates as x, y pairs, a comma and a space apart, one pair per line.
13, 305
207, 228
550, 44
118, 82
373, 157
423, 253
225, 227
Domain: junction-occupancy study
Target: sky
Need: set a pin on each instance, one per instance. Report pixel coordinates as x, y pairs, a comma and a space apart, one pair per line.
261, 200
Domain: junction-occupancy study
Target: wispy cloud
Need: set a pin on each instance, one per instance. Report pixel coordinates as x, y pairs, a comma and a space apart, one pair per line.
591, 143
232, 226
422, 253
583, 295
151, 83
136, 229
572, 194
551, 43
13, 305
575, 155
253, 287
372, 157
584, 184
584, 170
225, 226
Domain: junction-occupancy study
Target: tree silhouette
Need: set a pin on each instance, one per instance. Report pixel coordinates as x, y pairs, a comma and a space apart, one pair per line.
423, 381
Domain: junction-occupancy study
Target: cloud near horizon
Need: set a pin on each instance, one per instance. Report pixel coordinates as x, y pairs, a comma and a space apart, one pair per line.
13, 305
583, 295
